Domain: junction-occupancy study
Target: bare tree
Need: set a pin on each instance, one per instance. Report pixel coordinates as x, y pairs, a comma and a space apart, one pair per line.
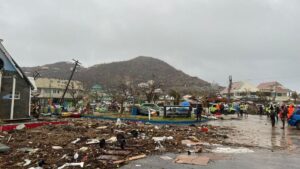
122, 92
151, 90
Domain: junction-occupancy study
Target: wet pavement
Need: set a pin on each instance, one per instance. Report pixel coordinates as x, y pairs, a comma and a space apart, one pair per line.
274, 148
256, 131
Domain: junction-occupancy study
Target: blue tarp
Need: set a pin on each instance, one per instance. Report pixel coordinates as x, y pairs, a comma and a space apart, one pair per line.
187, 104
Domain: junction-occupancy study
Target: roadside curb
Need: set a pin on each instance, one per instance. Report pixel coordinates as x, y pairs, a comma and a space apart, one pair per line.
147, 121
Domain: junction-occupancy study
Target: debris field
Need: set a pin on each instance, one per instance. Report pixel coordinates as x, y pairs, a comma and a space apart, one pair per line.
87, 143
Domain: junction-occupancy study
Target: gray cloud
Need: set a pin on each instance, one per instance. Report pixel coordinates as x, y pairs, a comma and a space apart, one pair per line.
254, 40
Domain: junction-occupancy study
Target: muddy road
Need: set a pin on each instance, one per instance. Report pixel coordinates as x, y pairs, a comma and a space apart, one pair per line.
273, 148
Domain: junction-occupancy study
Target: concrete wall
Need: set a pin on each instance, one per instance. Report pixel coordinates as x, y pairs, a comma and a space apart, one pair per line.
21, 108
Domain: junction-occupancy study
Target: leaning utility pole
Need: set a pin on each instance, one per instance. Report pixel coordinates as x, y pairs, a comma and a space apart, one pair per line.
77, 63
229, 88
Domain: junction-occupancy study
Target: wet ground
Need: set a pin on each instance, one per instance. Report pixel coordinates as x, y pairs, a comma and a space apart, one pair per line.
274, 148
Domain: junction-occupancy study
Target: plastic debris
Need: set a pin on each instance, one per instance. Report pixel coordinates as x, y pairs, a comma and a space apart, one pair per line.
76, 141
76, 155
112, 140
27, 162
72, 165
92, 141
164, 138
119, 122
4, 148
83, 149
101, 127
57, 147
20, 127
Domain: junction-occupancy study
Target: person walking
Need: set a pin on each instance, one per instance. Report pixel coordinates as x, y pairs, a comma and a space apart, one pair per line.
199, 110
261, 110
283, 116
272, 115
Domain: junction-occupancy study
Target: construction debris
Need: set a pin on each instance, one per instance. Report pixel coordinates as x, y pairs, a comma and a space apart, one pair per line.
4, 148
194, 160
86, 143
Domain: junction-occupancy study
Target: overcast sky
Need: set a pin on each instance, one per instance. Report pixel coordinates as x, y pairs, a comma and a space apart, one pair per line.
254, 40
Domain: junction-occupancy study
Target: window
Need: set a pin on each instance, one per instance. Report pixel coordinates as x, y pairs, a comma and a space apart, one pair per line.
1, 64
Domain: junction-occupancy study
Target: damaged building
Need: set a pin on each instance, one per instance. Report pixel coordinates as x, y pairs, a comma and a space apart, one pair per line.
15, 88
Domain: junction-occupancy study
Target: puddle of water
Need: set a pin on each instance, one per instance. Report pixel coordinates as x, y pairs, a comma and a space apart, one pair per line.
257, 131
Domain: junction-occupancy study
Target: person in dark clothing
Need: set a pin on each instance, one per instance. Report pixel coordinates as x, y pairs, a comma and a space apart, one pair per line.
261, 110
284, 112
199, 111
222, 108
277, 111
272, 115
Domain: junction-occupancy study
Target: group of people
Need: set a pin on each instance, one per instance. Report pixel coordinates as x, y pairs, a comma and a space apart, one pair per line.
274, 112
241, 109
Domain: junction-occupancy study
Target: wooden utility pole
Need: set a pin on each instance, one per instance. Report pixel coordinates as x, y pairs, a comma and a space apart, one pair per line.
77, 63
229, 88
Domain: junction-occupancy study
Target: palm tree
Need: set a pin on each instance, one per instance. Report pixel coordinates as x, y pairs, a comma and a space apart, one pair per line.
295, 96
176, 95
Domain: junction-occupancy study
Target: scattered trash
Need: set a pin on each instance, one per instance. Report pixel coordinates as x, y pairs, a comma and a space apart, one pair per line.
20, 127
121, 140
102, 143
92, 141
35, 168
83, 149
203, 129
72, 165
28, 150
190, 143
76, 141
138, 165
166, 158
194, 160
161, 139
134, 133
112, 140
137, 157
57, 147
41, 163
76, 155
9, 139
228, 150
4, 148
101, 127
27, 162
119, 122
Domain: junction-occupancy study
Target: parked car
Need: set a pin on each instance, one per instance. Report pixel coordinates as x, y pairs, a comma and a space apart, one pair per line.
295, 119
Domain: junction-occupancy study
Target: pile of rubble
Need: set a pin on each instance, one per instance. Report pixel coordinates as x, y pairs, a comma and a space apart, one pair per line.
101, 144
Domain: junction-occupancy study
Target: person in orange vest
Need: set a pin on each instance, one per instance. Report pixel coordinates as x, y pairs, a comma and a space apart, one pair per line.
291, 110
